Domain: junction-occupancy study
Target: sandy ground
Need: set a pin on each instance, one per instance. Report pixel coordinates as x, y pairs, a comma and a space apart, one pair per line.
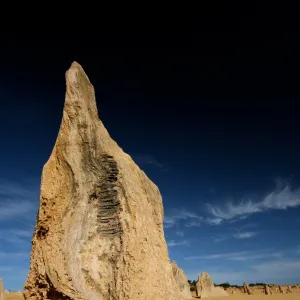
294, 296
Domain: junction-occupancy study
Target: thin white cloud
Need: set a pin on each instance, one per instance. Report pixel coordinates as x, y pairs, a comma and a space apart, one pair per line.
147, 159
220, 238
279, 199
5, 269
193, 222
176, 216
12, 209
17, 200
244, 235
173, 243
179, 233
237, 256
16, 236
13, 255
237, 235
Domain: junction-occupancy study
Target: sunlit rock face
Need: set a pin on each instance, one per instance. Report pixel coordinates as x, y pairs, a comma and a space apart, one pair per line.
99, 231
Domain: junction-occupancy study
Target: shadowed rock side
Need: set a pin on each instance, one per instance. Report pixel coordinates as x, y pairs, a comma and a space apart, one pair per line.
267, 290
99, 231
246, 289
181, 281
206, 288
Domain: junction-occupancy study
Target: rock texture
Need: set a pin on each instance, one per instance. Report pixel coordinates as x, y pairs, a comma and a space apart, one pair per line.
181, 281
99, 231
247, 289
1, 290
205, 287
281, 291
267, 290
289, 289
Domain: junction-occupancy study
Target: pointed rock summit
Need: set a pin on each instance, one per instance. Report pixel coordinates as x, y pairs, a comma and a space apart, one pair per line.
206, 288
181, 281
99, 230
267, 290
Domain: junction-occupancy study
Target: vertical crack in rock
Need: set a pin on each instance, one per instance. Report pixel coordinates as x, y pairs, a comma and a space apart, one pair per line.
105, 198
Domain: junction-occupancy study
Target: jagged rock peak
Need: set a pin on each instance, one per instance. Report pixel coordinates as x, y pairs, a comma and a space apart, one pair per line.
206, 288
99, 230
80, 94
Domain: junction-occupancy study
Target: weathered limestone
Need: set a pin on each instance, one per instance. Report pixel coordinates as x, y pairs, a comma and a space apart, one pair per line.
288, 289
1, 290
247, 289
181, 281
99, 231
267, 290
205, 287
281, 291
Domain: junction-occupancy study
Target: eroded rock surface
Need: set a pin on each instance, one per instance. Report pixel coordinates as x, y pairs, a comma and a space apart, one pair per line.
267, 290
205, 287
1, 290
247, 289
99, 231
181, 281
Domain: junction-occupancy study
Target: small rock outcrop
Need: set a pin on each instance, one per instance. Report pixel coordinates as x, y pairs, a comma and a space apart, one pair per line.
267, 290
246, 289
281, 291
289, 289
205, 287
181, 281
99, 230
1, 290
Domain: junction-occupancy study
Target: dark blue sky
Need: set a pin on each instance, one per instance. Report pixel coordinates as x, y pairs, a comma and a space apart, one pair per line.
210, 113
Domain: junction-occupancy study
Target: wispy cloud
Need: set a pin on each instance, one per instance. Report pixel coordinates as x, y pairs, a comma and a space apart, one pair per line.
279, 199
18, 237
244, 235
17, 200
220, 238
13, 255
173, 243
237, 256
10, 210
176, 215
179, 233
147, 159
237, 235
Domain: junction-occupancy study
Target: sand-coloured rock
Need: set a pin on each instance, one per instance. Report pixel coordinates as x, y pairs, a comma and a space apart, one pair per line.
205, 287
181, 281
247, 289
99, 231
267, 290
281, 291
1, 290
289, 289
